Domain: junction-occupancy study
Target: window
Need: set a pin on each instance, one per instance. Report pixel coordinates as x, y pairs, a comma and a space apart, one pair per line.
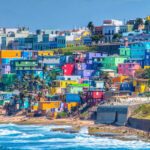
147, 56
65, 70
96, 93
16, 54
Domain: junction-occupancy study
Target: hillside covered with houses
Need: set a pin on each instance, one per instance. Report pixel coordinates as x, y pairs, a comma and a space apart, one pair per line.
70, 73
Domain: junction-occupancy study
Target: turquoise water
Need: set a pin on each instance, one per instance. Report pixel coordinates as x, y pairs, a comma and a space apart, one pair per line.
31, 137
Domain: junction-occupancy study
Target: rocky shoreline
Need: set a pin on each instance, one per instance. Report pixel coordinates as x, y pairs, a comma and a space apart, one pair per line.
116, 132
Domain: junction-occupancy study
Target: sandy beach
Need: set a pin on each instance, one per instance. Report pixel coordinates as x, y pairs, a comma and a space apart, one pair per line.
22, 120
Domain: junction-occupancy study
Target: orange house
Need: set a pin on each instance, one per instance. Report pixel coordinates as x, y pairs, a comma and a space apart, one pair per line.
10, 54
119, 79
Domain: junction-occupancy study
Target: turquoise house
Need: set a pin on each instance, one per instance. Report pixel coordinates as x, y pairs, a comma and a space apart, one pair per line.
138, 50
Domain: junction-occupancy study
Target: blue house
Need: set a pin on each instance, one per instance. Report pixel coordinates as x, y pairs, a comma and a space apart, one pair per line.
87, 40
26, 54
72, 98
53, 44
61, 41
138, 50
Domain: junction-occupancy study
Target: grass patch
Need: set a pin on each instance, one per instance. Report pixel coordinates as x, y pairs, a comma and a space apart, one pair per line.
143, 112
70, 50
61, 114
84, 114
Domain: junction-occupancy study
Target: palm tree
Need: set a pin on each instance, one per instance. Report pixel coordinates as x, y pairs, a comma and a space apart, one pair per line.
139, 22
91, 26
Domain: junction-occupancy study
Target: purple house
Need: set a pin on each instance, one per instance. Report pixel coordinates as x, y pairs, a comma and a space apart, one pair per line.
86, 74
90, 56
83, 66
5, 69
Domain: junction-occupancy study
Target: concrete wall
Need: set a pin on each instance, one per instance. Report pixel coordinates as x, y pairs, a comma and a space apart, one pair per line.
141, 124
117, 115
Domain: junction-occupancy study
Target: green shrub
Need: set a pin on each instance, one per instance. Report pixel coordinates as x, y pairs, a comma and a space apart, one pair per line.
84, 114
61, 114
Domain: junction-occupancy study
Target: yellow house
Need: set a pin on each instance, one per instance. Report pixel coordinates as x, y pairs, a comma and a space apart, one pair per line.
73, 104
119, 79
55, 90
45, 53
148, 18
48, 105
58, 86
140, 85
63, 83
146, 67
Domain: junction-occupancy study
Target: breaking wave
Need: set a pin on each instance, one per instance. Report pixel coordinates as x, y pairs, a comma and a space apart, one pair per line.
30, 137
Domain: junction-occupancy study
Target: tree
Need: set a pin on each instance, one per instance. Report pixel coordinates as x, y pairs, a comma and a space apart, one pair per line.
117, 37
144, 74
139, 22
107, 80
147, 25
95, 38
91, 26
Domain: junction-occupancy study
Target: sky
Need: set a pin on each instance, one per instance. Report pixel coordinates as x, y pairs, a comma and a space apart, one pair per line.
67, 14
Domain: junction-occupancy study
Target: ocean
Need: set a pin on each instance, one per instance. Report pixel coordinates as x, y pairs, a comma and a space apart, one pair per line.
38, 137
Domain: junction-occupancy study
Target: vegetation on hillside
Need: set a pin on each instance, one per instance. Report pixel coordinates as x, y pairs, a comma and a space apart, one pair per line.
71, 50
142, 112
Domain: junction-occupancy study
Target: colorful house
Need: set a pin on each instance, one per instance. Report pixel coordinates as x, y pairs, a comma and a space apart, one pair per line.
45, 53
83, 66
68, 69
76, 88
139, 61
52, 62
125, 51
24, 65
94, 97
91, 55
127, 69
58, 87
71, 97
61, 41
119, 79
140, 85
8, 79
67, 78
26, 54
51, 106
112, 62
5, 69
10, 54
86, 74
138, 50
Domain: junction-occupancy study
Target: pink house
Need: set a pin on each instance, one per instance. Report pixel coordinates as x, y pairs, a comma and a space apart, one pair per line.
128, 69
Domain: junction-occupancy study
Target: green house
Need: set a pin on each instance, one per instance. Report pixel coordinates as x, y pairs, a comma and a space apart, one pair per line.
8, 79
76, 88
23, 65
125, 51
112, 62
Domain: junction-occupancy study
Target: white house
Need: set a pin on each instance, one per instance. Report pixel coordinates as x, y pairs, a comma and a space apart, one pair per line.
111, 27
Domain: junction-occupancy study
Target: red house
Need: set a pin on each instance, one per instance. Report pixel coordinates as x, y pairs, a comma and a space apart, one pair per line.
99, 30
94, 97
68, 69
